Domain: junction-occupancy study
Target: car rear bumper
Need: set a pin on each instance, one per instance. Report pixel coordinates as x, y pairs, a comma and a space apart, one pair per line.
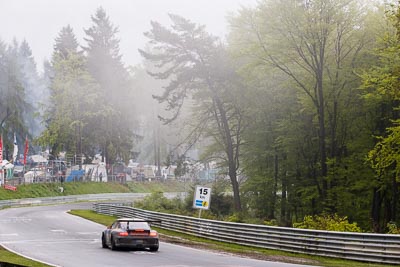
129, 242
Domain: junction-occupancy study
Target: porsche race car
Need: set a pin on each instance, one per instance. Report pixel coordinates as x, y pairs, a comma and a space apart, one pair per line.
130, 233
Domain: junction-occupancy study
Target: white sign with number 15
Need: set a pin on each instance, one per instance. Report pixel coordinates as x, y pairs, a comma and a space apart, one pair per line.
202, 196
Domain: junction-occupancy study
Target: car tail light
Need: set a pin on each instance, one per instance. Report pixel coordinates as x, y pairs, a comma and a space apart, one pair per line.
123, 234
153, 233
140, 232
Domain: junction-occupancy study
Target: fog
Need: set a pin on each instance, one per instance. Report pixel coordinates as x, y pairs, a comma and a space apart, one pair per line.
39, 21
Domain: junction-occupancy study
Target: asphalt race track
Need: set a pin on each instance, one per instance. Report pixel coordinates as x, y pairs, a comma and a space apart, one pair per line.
50, 235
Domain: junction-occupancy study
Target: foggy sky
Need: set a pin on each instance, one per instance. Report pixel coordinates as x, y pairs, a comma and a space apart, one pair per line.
39, 21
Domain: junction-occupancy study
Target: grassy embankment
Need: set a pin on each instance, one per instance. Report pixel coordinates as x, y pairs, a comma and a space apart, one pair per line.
52, 190
80, 188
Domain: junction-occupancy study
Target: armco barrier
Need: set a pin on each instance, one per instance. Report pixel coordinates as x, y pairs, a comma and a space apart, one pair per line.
379, 248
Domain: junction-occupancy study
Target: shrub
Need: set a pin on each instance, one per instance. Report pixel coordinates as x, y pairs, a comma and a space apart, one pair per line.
328, 222
236, 217
393, 228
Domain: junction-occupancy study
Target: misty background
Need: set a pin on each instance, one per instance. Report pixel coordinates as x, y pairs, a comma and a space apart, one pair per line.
39, 21
293, 103
37, 24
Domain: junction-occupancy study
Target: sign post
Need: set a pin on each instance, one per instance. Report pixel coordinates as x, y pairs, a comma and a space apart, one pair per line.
201, 200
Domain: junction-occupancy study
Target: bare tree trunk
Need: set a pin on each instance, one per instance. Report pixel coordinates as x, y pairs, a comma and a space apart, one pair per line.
376, 210
395, 198
275, 188
231, 153
235, 187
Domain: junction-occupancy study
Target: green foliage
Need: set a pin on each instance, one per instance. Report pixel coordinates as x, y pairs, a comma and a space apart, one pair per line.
76, 188
271, 223
197, 65
93, 216
156, 201
16, 111
393, 228
221, 203
380, 90
113, 131
52, 189
8, 258
286, 120
236, 217
310, 128
328, 222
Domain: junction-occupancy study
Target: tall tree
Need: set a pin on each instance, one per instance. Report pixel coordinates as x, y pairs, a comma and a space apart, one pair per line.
105, 65
314, 43
35, 90
65, 43
13, 104
382, 95
74, 95
198, 66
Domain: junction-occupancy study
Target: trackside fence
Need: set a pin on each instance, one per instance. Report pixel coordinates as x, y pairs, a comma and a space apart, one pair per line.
378, 248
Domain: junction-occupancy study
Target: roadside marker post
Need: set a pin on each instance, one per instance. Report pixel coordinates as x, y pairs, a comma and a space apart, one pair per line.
202, 197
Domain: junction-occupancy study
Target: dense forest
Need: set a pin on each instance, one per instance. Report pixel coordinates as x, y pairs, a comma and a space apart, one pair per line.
299, 105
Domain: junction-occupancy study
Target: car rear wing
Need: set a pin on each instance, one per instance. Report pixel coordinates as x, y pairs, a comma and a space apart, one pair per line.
139, 220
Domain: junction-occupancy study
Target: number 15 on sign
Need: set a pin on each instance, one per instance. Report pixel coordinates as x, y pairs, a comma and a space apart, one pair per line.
202, 197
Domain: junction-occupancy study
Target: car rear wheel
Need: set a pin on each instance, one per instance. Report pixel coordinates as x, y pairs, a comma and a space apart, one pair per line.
154, 248
103, 241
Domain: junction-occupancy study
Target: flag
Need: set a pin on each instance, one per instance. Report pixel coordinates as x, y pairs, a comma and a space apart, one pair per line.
15, 152
1, 160
26, 149
1, 149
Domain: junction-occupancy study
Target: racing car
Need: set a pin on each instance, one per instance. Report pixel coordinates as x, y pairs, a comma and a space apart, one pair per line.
130, 233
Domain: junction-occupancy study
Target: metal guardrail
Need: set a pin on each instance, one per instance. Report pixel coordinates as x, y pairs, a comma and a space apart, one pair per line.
378, 248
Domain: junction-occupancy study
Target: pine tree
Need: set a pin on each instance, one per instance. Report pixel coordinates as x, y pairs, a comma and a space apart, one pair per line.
73, 107
197, 66
105, 65
66, 43
34, 89
13, 104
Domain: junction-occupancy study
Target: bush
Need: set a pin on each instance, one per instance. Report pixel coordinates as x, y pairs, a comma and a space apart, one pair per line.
328, 222
272, 222
393, 229
237, 217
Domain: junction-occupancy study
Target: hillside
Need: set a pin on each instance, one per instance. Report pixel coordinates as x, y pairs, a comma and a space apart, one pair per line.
80, 188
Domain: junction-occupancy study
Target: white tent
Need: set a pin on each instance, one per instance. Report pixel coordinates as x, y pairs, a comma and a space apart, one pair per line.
38, 159
4, 166
30, 176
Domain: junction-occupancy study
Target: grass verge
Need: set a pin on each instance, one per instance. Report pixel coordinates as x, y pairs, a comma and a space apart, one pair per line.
80, 188
251, 252
13, 259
